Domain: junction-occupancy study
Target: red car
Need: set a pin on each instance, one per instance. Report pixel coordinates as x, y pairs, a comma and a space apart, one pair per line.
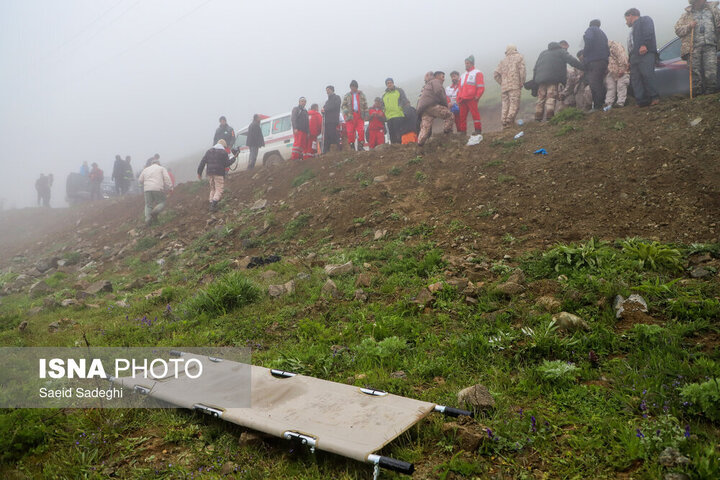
671, 71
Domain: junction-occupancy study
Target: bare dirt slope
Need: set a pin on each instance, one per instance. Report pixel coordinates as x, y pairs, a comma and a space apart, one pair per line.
627, 172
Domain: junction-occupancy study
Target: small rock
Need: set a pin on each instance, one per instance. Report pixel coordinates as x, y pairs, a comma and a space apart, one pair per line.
50, 302
54, 327
337, 270
280, 290
380, 179
68, 302
510, 288
247, 438
302, 276
696, 122
267, 275
549, 304
699, 258
471, 301
435, 287
39, 289
424, 298
259, 205
100, 286
634, 303
367, 265
46, 264
361, 295
330, 288
363, 280
228, 468
671, 457
468, 438
23, 325
379, 234
82, 295
399, 374
676, 476
700, 272
517, 277
569, 322
153, 294
122, 304
478, 397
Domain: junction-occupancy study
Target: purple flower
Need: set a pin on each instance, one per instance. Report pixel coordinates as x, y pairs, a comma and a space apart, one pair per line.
520, 412
643, 406
490, 433
533, 425
687, 431
639, 434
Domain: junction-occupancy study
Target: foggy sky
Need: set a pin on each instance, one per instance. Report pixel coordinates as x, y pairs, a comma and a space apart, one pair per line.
84, 80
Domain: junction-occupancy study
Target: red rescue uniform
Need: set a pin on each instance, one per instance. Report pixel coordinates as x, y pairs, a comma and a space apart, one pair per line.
376, 127
472, 87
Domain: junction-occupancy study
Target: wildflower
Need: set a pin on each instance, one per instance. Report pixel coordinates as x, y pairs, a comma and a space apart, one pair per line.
687, 431
533, 425
639, 434
490, 433
520, 412
643, 406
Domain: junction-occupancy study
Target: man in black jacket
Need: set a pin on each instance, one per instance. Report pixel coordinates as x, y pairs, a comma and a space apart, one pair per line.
217, 161
225, 132
331, 119
301, 129
118, 176
642, 47
255, 140
597, 54
551, 70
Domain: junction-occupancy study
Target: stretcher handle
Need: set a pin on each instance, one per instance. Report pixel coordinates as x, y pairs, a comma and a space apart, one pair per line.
396, 465
453, 412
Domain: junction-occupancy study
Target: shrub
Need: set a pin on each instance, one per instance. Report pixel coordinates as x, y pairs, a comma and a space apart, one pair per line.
705, 397
229, 292
567, 115
305, 176
653, 255
558, 371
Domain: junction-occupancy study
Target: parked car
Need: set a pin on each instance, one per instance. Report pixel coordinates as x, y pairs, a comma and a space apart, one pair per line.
673, 77
278, 134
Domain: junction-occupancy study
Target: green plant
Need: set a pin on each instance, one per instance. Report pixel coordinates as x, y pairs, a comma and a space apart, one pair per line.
705, 397
146, 243
558, 371
384, 353
232, 290
591, 254
619, 125
359, 221
415, 160
420, 176
305, 176
565, 129
654, 255
567, 115
294, 226
502, 178
395, 171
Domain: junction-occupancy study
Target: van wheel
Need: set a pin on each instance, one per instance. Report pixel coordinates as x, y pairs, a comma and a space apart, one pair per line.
272, 160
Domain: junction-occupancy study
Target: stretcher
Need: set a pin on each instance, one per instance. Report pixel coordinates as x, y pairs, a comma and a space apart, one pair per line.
341, 419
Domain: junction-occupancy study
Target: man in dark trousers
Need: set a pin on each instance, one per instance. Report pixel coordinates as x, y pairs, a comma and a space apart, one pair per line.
118, 176
642, 47
301, 129
331, 118
255, 140
225, 132
597, 54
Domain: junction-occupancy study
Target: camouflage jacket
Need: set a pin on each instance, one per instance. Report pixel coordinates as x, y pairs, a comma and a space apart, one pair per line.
510, 73
575, 83
347, 105
618, 61
683, 28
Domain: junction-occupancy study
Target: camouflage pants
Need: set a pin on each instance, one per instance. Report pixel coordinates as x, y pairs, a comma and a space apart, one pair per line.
510, 106
545, 106
704, 69
616, 87
430, 114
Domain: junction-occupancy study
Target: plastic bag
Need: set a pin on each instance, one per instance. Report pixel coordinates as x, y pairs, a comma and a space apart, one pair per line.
474, 140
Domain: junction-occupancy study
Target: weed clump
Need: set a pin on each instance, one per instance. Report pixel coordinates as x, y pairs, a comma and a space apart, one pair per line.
567, 115
229, 292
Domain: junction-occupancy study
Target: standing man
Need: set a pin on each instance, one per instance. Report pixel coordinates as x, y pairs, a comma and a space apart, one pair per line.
128, 172
642, 48
432, 105
42, 186
451, 92
394, 101
315, 128
376, 127
510, 74
96, 177
225, 132
255, 140
118, 176
301, 129
355, 110
618, 77
699, 28
154, 180
596, 53
331, 119
550, 71
472, 86
217, 160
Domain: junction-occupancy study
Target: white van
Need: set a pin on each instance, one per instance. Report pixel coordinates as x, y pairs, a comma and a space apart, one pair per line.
278, 134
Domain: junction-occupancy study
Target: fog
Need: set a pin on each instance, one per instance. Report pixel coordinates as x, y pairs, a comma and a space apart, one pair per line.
84, 80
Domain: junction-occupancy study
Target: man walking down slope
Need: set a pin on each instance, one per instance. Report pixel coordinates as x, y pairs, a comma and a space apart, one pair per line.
472, 87
510, 74
216, 160
154, 180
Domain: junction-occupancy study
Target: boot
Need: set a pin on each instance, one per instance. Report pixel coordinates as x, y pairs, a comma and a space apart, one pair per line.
214, 206
360, 146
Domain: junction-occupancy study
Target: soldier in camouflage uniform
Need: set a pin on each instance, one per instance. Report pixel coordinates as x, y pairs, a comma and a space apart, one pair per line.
510, 74
576, 92
701, 22
618, 77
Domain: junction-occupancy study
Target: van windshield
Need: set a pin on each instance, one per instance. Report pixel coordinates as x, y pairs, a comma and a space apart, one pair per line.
240, 140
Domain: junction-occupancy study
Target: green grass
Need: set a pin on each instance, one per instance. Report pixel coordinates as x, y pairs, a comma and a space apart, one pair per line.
567, 115
305, 176
651, 384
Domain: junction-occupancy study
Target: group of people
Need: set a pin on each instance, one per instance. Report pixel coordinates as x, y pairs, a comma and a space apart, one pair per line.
122, 174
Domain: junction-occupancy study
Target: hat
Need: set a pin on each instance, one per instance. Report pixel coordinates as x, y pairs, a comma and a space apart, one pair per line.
389, 79
353, 83
510, 48
330, 87
471, 59
222, 142
595, 23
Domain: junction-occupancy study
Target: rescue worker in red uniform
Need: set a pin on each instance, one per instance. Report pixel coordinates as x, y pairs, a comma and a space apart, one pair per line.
315, 120
355, 110
376, 127
301, 129
472, 87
